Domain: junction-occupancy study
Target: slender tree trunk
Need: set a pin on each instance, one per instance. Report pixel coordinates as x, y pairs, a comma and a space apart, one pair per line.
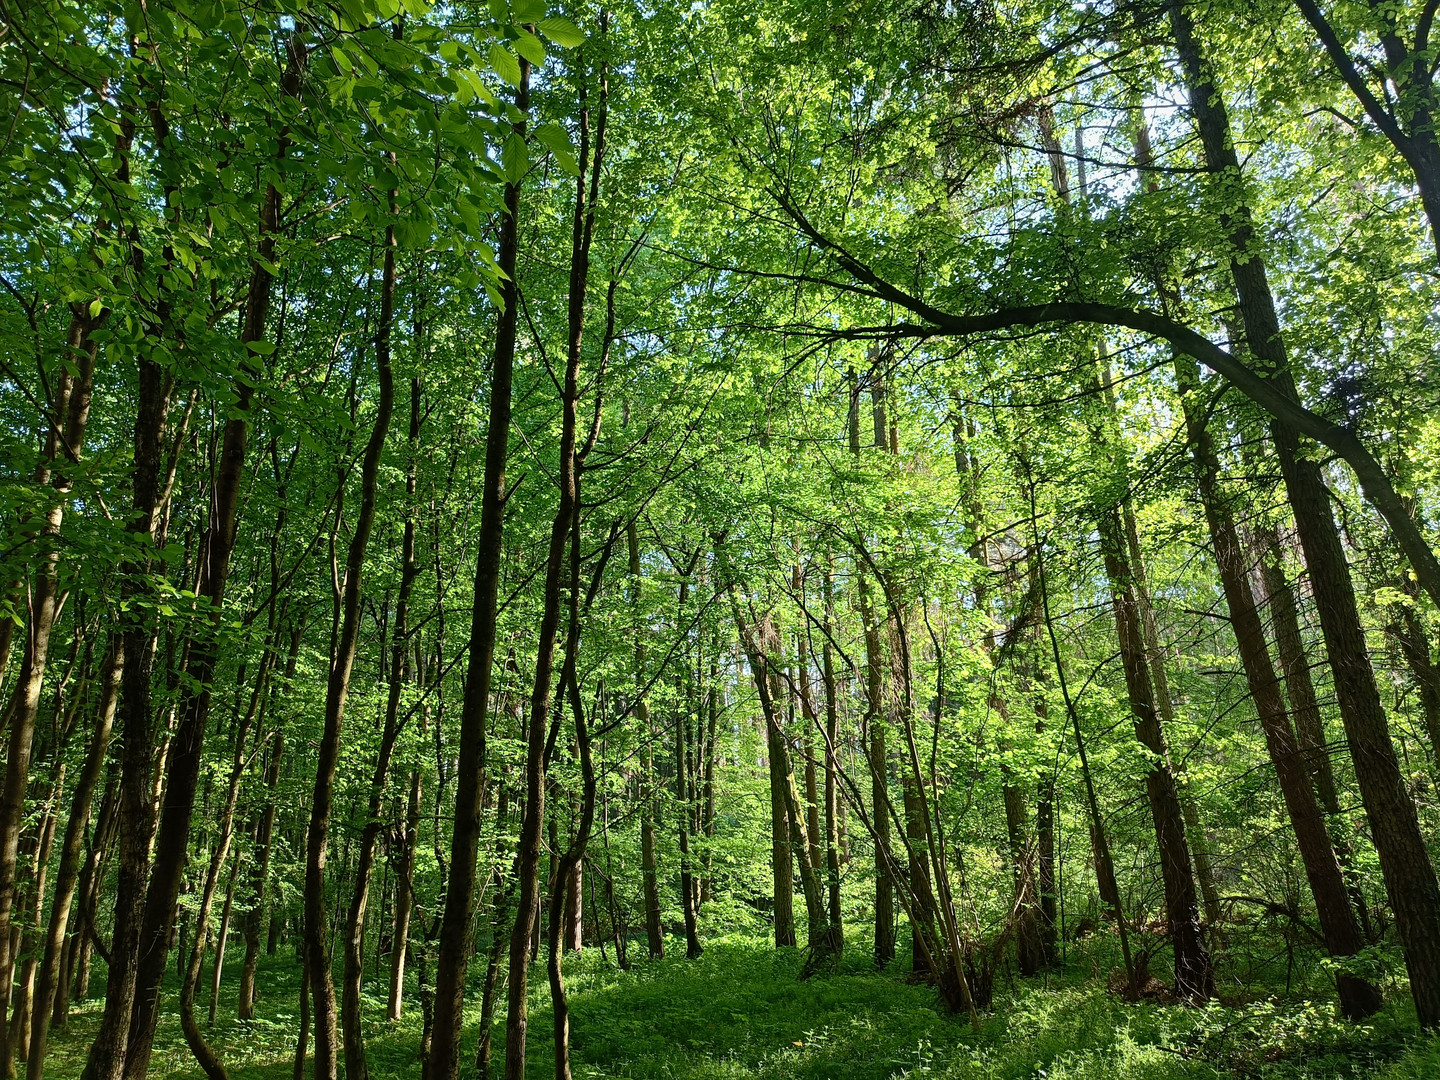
342, 664
707, 796
356, 1066
72, 402
1194, 978
564, 526
874, 721
183, 758
454, 946
782, 861
570, 860
404, 901
759, 641
832, 787
1107, 886
50, 983
499, 933
222, 936
654, 932
264, 836
43, 843
81, 939
1195, 830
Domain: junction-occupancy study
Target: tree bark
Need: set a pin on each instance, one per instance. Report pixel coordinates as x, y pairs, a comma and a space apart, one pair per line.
1358, 997
71, 406
50, 983
564, 526
356, 1066
454, 945
654, 932
1404, 859
832, 787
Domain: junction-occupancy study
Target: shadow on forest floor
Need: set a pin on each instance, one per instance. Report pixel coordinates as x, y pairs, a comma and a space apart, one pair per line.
739, 1013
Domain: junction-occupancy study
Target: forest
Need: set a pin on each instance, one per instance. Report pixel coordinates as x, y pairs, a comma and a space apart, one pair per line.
831, 539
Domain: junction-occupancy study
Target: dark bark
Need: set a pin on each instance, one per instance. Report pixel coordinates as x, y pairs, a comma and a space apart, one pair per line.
356, 1067
832, 787
1194, 978
1409, 122
499, 932
443, 1060
564, 527
70, 412
182, 761
571, 859
1404, 859
404, 899
264, 841
782, 862
758, 640
50, 982
1358, 997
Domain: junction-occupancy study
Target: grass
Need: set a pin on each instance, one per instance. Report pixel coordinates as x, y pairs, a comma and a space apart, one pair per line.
739, 1013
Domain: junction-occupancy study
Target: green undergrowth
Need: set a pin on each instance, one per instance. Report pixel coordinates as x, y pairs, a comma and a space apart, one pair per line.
739, 1013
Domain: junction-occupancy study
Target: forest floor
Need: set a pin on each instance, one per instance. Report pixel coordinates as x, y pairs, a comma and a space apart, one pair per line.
739, 1013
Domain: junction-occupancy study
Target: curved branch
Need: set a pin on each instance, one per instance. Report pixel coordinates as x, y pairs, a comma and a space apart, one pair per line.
1267, 394
1382, 117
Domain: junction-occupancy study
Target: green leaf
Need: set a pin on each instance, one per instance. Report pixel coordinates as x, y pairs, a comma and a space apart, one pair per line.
505, 65
261, 348
96, 306
553, 136
562, 32
515, 157
529, 46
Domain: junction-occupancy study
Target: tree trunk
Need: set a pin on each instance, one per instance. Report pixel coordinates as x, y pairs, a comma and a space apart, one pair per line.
1194, 978
81, 939
264, 837
50, 983
443, 1062
570, 860
1195, 830
832, 787
71, 401
1358, 997
404, 901
758, 641
782, 862
317, 936
182, 762
1404, 859
221, 937
654, 932
564, 527
500, 936
683, 792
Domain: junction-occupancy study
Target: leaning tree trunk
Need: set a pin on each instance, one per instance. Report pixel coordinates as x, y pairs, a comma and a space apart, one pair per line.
1358, 997
1405, 861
